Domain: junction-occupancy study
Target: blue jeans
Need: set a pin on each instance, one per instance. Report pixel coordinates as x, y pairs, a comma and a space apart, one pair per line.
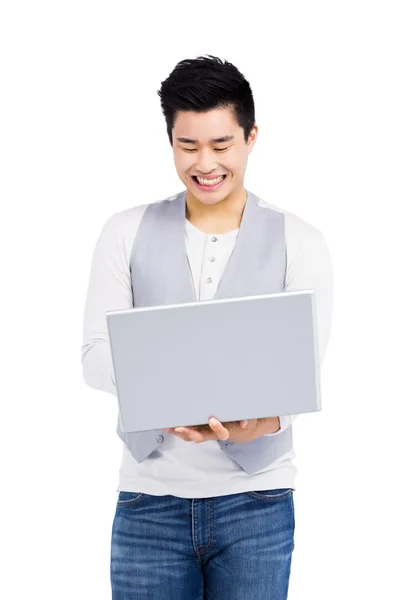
223, 548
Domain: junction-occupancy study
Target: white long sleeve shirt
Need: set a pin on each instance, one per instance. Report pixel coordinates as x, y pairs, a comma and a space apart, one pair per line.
180, 468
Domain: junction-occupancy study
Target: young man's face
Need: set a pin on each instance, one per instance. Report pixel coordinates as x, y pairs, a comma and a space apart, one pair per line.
211, 146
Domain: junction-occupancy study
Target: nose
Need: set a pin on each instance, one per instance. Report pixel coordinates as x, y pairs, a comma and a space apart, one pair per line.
206, 162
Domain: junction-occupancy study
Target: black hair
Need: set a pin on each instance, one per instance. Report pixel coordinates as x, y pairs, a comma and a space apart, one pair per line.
205, 83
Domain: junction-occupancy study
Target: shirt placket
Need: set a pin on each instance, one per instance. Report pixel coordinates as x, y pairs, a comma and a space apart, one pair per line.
210, 265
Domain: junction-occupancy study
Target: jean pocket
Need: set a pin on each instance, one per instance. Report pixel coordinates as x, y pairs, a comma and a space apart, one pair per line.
272, 495
128, 498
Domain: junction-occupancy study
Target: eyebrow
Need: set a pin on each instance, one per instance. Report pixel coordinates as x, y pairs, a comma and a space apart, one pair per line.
220, 140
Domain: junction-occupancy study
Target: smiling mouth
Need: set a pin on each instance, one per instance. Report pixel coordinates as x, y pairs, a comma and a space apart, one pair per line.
208, 182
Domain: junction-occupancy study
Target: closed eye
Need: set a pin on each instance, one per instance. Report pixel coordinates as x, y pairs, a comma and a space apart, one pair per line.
195, 149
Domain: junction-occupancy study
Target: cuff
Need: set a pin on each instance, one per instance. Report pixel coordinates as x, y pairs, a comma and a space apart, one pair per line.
285, 422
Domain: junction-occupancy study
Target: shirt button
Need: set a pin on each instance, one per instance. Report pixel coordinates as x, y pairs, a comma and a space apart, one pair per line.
208, 280
214, 239
211, 259
160, 439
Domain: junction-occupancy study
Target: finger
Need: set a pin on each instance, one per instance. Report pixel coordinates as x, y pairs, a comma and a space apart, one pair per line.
191, 434
181, 436
218, 428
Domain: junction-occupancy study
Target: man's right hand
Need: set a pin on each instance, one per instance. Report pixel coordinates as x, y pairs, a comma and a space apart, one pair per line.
202, 428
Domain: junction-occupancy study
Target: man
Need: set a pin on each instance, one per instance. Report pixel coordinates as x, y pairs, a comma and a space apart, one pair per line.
207, 511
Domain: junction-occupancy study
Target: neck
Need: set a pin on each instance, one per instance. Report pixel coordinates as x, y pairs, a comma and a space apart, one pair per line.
221, 217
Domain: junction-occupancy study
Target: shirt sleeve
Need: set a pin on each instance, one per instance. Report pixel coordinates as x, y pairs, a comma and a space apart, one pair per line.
109, 289
310, 267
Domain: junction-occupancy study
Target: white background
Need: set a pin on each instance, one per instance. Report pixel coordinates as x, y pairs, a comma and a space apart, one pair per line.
83, 136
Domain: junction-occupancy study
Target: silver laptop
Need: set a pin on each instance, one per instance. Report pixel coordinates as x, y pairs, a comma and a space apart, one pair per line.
240, 358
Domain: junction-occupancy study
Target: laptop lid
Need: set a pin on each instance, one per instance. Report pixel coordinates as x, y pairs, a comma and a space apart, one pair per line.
237, 358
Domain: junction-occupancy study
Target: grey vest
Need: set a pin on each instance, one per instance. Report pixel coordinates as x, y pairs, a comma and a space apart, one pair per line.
160, 274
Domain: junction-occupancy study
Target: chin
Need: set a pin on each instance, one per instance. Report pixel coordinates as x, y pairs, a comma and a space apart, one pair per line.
210, 198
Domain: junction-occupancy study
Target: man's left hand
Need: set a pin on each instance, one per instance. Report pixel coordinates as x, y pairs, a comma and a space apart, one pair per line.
235, 431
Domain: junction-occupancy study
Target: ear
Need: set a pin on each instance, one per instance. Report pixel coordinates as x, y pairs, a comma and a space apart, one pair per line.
252, 138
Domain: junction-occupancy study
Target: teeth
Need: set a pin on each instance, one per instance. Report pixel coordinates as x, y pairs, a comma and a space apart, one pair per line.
209, 181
